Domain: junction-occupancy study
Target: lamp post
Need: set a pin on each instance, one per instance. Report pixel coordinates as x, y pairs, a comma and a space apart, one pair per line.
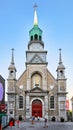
72, 106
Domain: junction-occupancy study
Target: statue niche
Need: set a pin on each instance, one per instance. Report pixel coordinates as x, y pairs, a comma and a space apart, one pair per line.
36, 80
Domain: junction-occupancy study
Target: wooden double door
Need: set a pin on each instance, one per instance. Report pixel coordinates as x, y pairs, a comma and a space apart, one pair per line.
37, 108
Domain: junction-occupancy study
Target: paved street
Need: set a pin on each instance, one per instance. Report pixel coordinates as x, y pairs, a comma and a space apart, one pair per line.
40, 126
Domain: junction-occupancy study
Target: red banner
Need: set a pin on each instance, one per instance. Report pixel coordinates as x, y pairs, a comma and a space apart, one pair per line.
67, 104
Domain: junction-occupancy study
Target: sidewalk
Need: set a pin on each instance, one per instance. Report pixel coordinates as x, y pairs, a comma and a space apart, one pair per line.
26, 125
40, 126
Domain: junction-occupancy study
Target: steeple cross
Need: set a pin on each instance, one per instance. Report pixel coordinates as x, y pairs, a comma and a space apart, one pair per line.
12, 49
60, 49
35, 6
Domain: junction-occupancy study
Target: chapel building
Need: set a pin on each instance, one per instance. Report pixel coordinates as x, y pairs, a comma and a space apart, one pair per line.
36, 92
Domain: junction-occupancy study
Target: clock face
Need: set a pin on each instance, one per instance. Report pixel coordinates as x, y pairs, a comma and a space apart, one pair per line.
1, 92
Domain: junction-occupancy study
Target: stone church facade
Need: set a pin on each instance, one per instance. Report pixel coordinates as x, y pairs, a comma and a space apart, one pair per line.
36, 92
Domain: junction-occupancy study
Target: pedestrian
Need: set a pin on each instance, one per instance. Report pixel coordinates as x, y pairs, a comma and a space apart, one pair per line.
45, 122
33, 118
11, 122
38, 118
18, 123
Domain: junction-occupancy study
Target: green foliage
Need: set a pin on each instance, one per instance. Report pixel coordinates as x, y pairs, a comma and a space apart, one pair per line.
69, 115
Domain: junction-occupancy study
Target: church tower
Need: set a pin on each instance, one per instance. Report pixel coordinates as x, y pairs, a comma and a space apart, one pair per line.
36, 56
11, 92
61, 81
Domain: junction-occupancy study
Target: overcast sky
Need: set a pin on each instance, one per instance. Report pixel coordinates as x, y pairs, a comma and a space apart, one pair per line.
55, 18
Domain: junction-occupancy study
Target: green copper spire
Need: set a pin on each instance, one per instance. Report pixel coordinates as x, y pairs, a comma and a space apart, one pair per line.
35, 33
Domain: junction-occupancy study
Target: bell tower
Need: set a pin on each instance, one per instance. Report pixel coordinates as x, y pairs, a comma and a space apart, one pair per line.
61, 82
61, 68
11, 90
36, 55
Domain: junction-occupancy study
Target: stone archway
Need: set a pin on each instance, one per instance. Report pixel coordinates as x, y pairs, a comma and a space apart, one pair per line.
37, 108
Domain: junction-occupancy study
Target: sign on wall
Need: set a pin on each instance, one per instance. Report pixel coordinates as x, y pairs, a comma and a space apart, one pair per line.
2, 89
1, 92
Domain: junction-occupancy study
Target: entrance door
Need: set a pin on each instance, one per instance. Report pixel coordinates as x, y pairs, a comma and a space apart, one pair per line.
37, 108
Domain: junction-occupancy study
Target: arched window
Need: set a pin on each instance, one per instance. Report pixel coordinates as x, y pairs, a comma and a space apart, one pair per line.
40, 38
11, 72
35, 37
51, 102
31, 38
61, 72
20, 102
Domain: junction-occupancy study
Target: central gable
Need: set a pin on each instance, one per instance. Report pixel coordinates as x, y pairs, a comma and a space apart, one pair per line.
36, 59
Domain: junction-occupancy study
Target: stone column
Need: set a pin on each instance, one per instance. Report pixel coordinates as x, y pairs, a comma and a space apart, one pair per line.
46, 106
27, 106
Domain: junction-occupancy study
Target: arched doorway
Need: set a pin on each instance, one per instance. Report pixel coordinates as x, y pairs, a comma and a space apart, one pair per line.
37, 108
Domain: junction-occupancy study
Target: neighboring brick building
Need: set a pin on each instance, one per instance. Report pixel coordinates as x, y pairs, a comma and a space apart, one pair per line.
37, 92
